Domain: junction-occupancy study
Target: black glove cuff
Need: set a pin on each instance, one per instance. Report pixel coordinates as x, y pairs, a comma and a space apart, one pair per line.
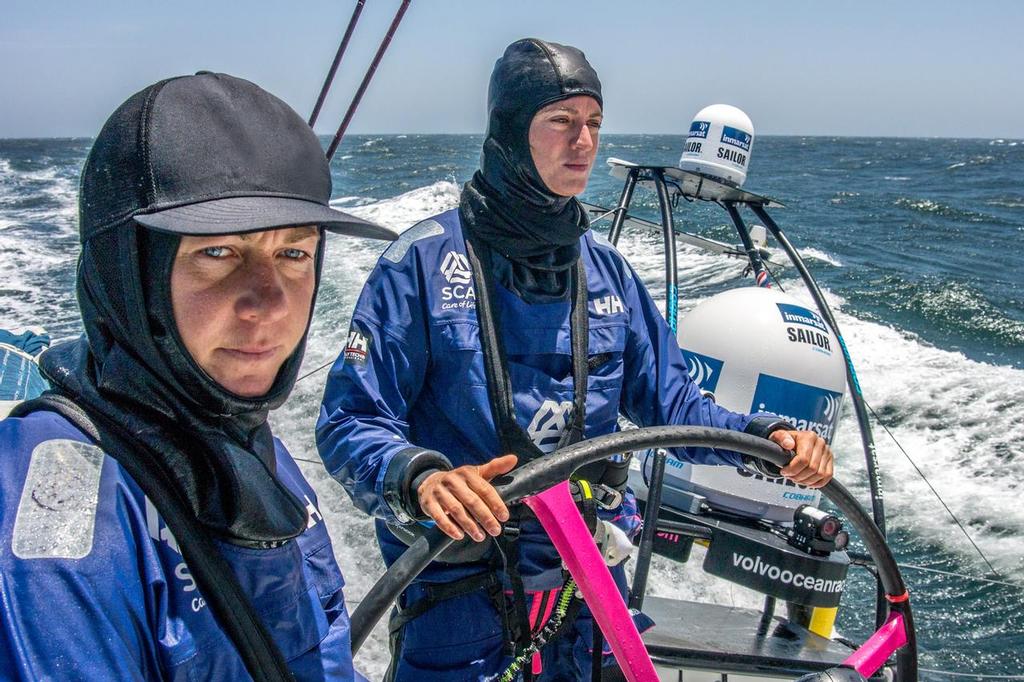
764, 427
405, 471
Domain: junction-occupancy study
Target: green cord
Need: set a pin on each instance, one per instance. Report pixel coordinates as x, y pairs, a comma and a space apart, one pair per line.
541, 638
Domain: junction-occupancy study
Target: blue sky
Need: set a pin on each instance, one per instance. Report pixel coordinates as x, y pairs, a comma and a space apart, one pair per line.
949, 69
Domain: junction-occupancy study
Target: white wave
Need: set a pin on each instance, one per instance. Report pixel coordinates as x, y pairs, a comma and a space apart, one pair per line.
342, 202
817, 254
405, 210
958, 420
896, 178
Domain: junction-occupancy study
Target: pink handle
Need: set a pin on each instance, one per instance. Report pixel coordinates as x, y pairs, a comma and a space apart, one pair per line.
873, 654
557, 512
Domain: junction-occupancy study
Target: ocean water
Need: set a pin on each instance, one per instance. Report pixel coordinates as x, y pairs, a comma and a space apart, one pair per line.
917, 243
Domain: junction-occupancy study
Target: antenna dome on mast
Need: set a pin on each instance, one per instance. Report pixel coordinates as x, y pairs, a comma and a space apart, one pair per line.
719, 144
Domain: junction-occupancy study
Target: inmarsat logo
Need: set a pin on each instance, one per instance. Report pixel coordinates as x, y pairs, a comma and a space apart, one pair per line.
460, 294
831, 407
548, 423
700, 371
703, 369
699, 129
455, 268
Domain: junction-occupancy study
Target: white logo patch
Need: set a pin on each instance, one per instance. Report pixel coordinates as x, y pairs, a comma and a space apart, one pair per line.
314, 514
831, 406
548, 423
608, 305
455, 268
699, 371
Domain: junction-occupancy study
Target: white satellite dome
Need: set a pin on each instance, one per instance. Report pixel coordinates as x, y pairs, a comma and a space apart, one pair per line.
719, 144
760, 350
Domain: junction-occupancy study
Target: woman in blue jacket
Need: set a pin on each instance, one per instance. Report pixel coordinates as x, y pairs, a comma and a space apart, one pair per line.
506, 326
202, 210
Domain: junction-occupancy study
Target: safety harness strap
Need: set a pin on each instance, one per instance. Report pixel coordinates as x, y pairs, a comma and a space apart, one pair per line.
232, 607
437, 593
511, 435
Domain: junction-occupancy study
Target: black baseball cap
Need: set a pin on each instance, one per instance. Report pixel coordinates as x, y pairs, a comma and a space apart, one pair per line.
209, 154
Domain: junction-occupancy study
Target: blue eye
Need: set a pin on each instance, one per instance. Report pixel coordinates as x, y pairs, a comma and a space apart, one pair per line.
215, 251
296, 254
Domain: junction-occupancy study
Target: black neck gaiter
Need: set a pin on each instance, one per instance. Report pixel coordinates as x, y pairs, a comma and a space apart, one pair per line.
133, 374
506, 206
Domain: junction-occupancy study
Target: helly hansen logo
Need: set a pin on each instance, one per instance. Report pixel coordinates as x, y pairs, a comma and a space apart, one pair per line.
357, 348
455, 268
548, 423
313, 515
608, 305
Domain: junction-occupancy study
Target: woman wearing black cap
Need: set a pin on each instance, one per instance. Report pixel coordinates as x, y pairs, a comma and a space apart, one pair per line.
506, 326
152, 527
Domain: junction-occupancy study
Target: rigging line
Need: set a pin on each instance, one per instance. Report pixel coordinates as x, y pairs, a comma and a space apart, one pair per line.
934, 492
337, 60
976, 676
366, 79
962, 575
772, 275
312, 372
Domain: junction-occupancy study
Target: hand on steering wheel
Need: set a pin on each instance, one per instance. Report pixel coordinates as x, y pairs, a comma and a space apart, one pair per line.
812, 460
463, 500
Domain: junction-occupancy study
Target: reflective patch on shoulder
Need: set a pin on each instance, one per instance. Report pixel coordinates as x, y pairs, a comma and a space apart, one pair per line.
57, 513
602, 240
428, 228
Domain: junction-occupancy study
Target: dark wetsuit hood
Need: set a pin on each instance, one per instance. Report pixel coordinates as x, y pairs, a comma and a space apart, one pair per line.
132, 373
506, 205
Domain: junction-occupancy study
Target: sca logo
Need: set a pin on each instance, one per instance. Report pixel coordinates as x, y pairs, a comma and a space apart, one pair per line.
459, 292
548, 423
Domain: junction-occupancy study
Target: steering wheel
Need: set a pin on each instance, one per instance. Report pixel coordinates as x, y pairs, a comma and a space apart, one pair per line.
556, 467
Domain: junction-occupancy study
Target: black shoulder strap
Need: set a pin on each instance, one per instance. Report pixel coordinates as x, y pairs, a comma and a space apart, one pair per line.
499, 386
217, 582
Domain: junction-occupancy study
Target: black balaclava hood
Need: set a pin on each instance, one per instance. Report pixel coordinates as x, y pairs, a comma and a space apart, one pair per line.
506, 205
132, 374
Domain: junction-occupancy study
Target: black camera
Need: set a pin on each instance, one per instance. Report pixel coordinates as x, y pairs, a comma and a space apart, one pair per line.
817, 532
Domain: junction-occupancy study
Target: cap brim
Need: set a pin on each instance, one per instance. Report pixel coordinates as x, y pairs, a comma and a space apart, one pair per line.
234, 215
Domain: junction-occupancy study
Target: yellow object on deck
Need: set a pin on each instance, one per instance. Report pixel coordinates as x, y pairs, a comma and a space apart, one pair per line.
822, 620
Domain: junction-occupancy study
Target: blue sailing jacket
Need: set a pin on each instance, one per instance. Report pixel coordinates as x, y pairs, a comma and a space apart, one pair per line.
412, 374
92, 586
